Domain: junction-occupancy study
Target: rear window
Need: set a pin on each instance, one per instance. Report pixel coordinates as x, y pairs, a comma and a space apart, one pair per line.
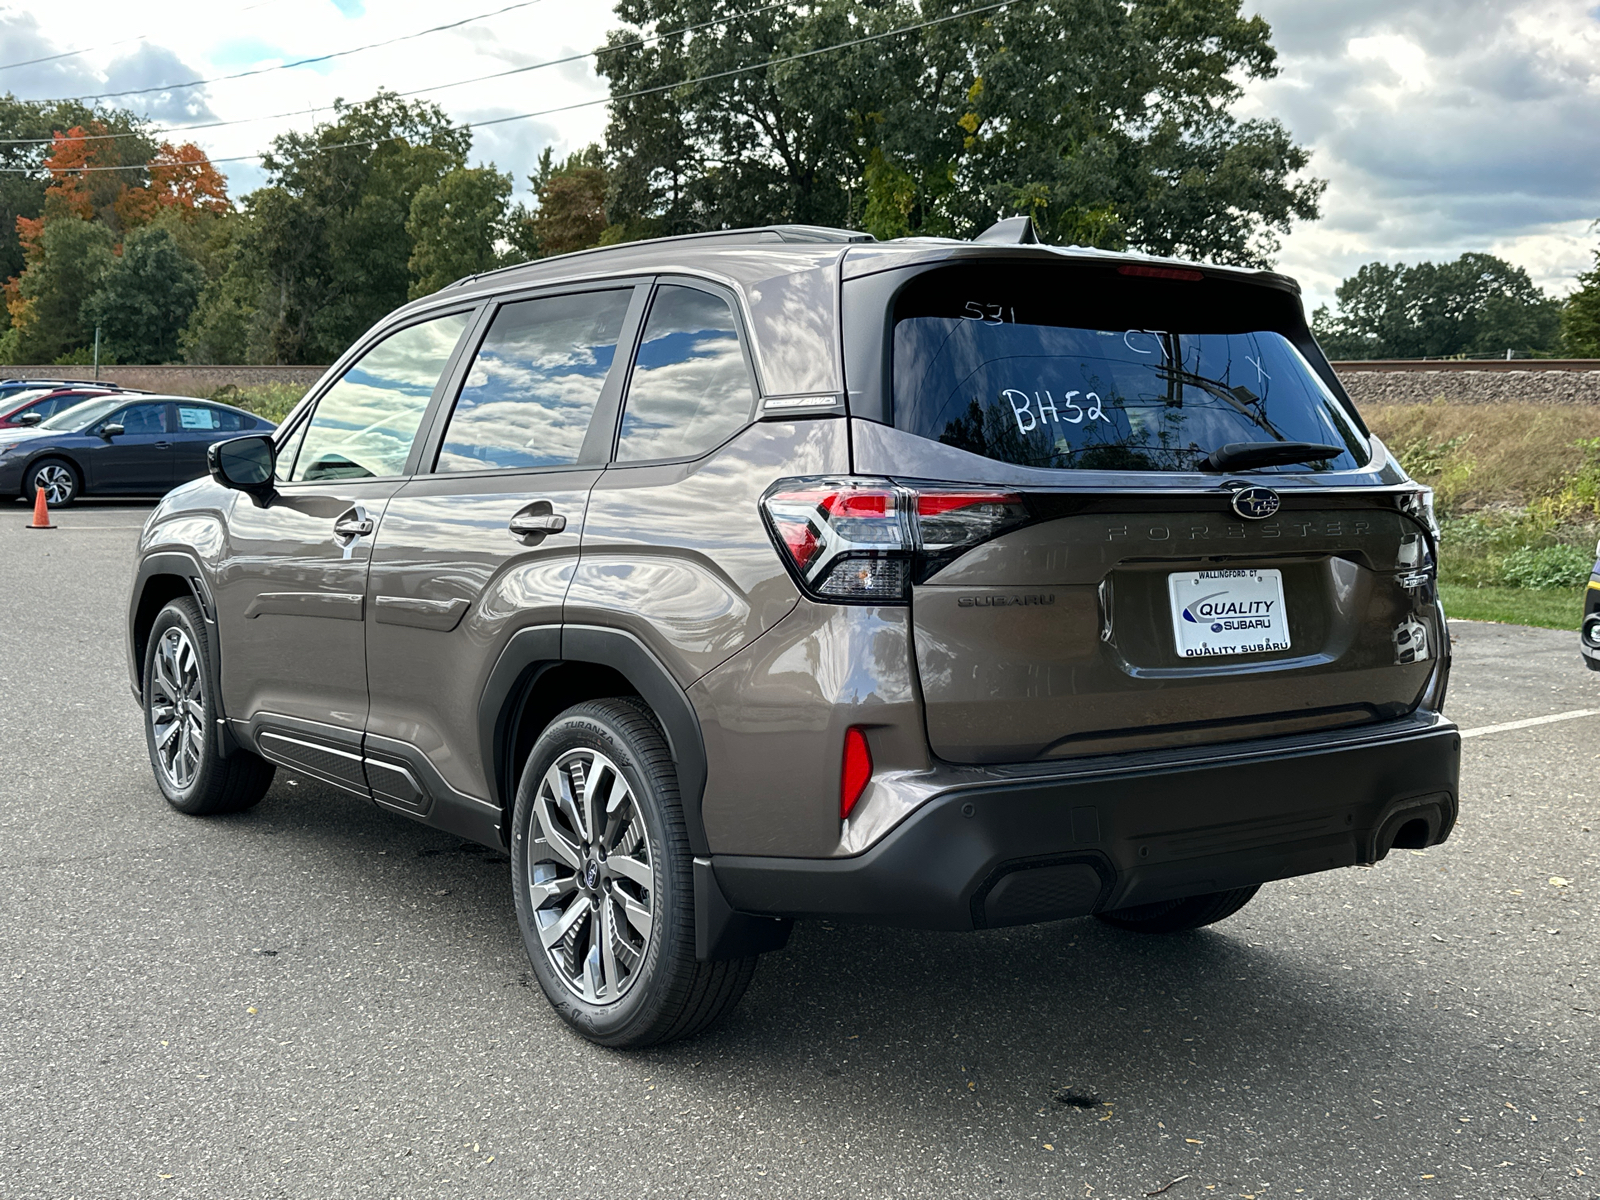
1025, 367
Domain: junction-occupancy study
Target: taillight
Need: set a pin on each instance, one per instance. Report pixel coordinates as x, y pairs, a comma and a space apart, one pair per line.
865, 540
855, 772
1419, 504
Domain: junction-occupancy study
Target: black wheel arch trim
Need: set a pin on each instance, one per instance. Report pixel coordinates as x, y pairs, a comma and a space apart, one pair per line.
180, 565
531, 651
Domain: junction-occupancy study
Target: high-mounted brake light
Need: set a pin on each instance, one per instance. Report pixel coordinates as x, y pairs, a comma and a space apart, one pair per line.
855, 772
1161, 272
865, 541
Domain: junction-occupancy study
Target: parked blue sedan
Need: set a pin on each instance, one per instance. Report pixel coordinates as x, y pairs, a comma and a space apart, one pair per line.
118, 445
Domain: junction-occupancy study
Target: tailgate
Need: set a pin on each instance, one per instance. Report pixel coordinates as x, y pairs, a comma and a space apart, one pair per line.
1063, 638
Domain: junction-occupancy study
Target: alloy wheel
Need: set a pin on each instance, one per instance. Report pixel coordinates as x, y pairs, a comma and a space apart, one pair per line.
590, 880
177, 707
55, 481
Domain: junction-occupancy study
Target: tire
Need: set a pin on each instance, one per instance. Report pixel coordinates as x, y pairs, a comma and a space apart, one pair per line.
1175, 916
58, 477
613, 947
193, 776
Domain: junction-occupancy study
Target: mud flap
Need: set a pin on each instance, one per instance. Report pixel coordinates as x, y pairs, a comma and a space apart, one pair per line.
720, 932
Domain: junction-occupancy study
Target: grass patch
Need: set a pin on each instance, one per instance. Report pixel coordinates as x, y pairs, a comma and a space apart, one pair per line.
1548, 608
1480, 456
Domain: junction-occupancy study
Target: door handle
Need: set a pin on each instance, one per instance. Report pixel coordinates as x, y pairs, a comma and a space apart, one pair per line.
163, 445
353, 524
529, 524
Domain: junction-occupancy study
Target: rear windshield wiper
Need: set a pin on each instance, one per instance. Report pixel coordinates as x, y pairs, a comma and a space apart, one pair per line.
1241, 456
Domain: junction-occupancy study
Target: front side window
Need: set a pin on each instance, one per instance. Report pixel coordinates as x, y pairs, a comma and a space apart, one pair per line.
1031, 372
288, 449
690, 390
365, 423
140, 418
533, 387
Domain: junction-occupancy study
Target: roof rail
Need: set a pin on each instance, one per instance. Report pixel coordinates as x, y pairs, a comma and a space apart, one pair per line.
728, 237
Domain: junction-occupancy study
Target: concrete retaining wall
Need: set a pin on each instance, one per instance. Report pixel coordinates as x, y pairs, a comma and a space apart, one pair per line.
176, 380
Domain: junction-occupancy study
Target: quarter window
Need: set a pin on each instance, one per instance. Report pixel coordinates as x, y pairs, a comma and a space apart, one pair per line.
690, 390
533, 387
364, 425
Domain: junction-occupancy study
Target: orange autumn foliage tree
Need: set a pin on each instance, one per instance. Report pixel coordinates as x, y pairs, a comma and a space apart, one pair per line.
117, 182
90, 179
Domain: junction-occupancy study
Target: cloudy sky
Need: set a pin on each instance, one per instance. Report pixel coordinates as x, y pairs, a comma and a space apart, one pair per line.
1441, 125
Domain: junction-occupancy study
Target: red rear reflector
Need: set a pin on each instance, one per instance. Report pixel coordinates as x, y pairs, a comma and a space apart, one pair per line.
856, 772
1161, 272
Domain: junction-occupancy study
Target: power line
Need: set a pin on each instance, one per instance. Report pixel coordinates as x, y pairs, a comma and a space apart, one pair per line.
405, 37
438, 87
634, 95
28, 62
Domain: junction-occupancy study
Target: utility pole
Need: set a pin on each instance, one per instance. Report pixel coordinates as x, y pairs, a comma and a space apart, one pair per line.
97, 353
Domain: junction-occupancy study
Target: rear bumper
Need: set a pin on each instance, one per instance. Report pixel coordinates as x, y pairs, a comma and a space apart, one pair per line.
1020, 851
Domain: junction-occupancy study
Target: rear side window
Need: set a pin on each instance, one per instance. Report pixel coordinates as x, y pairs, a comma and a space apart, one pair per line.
533, 387
1029, 370
202, 418
364, 425
690, 390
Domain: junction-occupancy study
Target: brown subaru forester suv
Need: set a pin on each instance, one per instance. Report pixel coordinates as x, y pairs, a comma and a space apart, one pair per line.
746, 577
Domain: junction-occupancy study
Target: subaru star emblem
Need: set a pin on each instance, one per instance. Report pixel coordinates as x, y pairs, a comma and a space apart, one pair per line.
1255, 503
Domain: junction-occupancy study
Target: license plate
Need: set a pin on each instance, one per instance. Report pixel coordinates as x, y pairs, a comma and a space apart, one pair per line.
1216, 613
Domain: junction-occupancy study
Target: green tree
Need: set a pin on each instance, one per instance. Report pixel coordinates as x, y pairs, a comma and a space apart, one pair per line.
71, 258
1580, 316
26, 130
1119, 134
1478, 304
229, 323
145, 297
570, 205
326, 252
455, 225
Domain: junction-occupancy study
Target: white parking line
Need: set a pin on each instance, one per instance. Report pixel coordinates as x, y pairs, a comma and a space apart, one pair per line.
1532, 721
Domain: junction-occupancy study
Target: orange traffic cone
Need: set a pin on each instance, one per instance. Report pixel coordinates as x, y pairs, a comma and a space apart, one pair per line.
41, 511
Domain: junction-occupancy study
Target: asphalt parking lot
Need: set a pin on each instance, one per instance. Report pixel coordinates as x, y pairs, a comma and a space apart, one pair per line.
319, 998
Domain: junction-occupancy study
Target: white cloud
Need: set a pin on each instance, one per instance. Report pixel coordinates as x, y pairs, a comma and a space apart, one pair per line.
1442, 125
191, 39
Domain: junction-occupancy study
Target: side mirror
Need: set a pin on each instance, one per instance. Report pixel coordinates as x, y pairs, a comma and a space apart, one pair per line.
110, 431
29, 418
246, 464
